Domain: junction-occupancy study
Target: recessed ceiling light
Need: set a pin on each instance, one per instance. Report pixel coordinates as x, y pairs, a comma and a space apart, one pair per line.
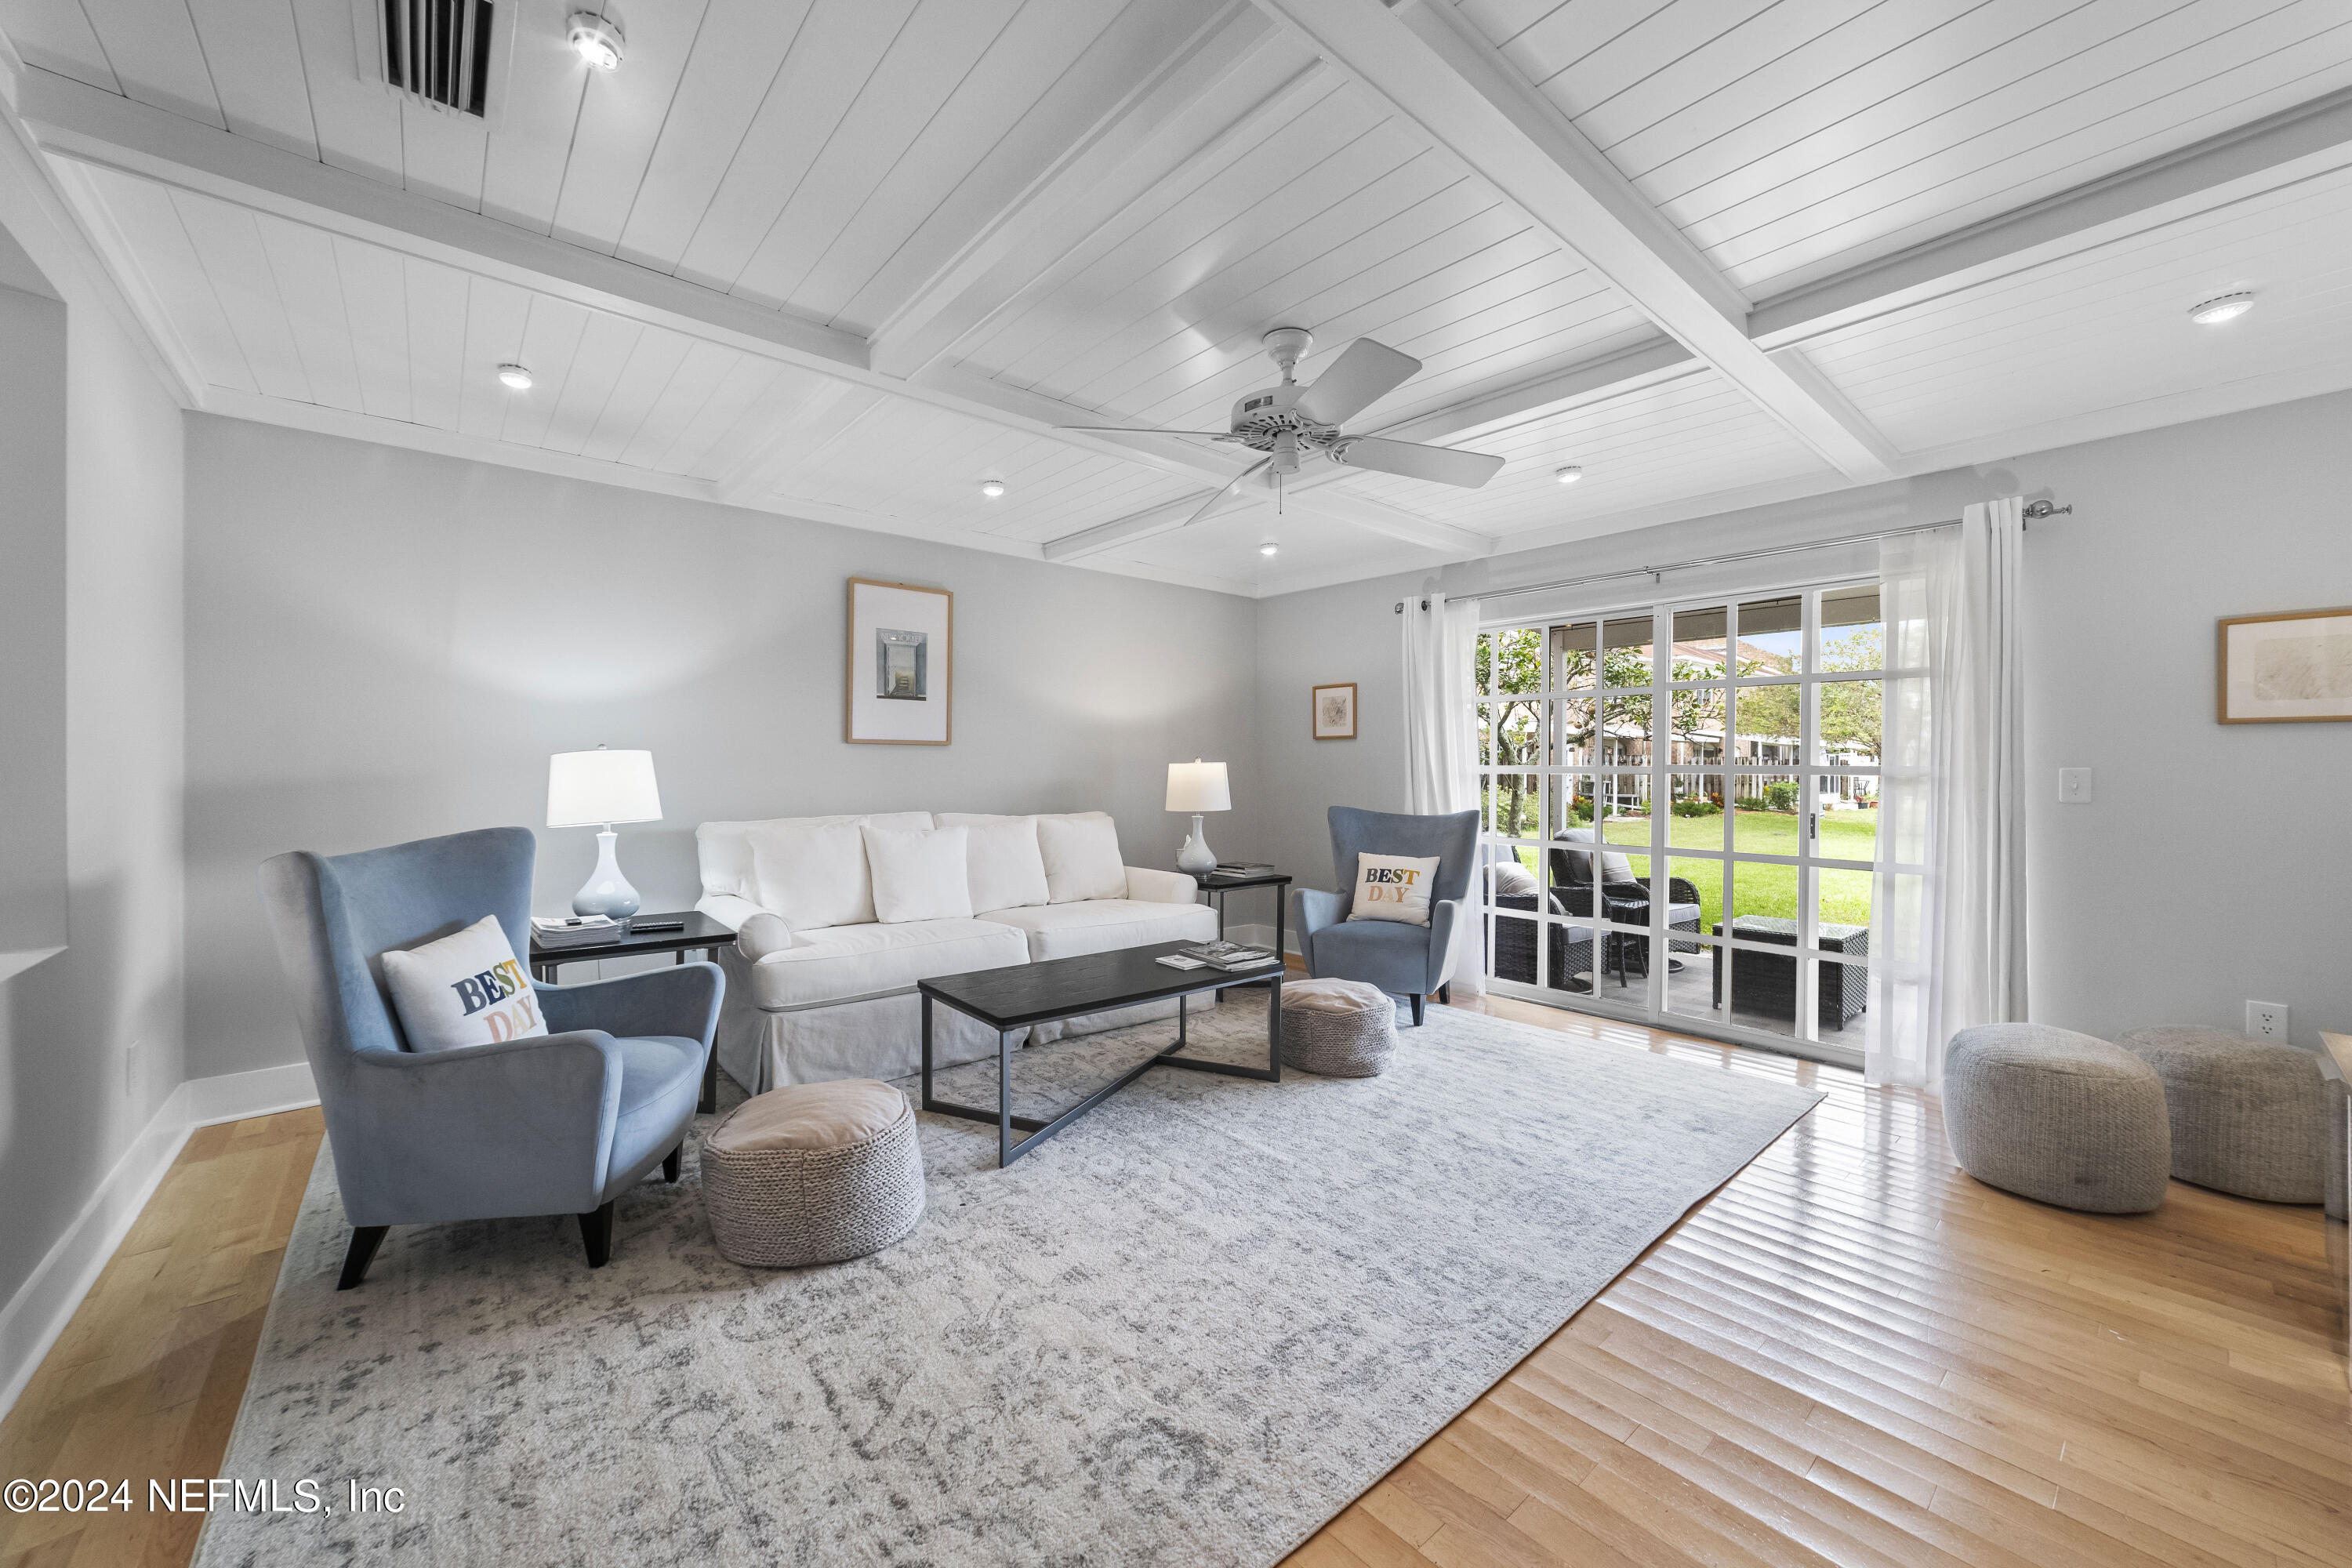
1569, 475
2222, 308
991, 489
1268, 548
596, 39
516, 377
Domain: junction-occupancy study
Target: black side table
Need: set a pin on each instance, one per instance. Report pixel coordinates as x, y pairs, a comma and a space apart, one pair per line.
1217, 884
699, 931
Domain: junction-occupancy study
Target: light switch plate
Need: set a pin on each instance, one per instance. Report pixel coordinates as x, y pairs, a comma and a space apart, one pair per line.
2074, 786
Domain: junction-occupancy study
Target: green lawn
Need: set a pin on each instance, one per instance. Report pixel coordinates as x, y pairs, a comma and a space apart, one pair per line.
1760, 890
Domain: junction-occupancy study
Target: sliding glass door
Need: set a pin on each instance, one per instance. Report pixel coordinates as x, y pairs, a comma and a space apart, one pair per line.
1680, 809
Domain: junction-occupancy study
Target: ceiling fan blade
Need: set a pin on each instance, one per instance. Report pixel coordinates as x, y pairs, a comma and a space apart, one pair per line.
1358, 378
1218, 500
1131, 430
1415, 461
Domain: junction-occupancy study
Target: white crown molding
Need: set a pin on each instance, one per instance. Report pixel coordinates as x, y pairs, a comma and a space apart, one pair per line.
230, 404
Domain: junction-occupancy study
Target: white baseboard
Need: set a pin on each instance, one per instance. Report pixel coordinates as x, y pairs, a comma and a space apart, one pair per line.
265, 1091
42, 1307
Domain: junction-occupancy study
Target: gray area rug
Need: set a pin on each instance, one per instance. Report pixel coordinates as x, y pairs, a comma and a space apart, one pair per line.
1188, 1331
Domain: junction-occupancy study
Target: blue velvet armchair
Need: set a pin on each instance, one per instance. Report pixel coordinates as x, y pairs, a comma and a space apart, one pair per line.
559, 1123
1405, 960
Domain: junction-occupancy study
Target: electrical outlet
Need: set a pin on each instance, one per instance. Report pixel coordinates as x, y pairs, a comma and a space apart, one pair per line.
2074, 786
2266, 1021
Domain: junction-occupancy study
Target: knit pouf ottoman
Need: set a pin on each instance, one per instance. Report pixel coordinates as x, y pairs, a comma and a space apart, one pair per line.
2058, 1117
1338, 1028
2249, 1117
816, 1173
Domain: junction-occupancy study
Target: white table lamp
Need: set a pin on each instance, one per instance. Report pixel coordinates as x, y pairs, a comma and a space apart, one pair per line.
598, 789
1197, 786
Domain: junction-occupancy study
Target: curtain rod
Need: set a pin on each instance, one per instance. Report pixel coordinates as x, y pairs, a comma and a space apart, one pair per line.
2035, 510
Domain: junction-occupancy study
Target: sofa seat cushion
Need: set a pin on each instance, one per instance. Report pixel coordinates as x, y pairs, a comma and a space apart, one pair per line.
834, 963
1101, 925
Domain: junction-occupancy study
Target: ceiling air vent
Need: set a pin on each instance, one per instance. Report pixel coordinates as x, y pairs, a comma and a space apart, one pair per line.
449, 56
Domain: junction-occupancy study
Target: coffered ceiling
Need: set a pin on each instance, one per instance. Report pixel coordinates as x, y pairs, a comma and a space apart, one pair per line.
846, 260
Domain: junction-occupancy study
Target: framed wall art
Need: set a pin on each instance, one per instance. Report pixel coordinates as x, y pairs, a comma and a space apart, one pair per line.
2294, 668
901, 662
1333, 712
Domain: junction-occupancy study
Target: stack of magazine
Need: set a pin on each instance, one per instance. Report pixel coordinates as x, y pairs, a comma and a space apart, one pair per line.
1226, 955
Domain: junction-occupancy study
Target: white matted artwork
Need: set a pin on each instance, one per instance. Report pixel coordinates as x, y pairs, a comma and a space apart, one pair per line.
2295, 668
901, 662
1335, 712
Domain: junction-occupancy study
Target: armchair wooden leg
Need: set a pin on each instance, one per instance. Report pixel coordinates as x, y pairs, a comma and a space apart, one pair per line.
1419, 1003
673, 1162
365, 1239
597, 1231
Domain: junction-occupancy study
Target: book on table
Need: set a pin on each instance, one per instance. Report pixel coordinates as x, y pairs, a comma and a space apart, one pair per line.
1232, 956
1243, 868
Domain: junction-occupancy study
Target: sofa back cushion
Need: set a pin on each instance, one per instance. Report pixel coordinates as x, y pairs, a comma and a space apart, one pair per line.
724, 849
1082, 858
811, 876
918, 875
1001, 860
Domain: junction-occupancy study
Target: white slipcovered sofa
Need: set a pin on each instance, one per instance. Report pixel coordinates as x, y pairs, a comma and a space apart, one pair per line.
821, 979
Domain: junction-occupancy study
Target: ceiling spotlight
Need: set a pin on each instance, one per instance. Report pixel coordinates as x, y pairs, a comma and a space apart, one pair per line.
1569, 475
1268, 548
516, 377
991, 489
596, 39
2222, 308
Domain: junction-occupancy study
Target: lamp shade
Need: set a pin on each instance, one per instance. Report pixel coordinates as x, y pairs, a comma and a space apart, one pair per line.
588, 789
1197, 785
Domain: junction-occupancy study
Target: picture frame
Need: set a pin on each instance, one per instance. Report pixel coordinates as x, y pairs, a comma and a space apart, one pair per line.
898, 668
1332, 712
2292, 667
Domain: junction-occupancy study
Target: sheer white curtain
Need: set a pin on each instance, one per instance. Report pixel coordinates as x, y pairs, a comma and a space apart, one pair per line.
1947, 923
1440, 747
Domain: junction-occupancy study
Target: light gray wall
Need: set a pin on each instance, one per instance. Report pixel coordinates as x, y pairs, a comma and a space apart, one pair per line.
71, 1102
384, 645
33, 531
2215, 863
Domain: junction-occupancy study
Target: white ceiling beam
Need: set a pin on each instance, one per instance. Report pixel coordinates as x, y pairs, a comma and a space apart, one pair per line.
1141, 144
1427, 65
74, 119
2296, 143
1144, 524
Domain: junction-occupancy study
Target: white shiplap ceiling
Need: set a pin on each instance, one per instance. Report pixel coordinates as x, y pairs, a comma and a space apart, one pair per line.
846, 258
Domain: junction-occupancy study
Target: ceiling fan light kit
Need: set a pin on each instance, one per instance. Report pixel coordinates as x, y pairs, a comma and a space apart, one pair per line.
1290, 422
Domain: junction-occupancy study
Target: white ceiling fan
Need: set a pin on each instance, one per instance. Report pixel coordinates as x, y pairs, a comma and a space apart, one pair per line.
1290, 421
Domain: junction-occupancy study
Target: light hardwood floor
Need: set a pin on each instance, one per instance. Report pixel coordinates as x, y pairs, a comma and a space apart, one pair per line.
1850, 1355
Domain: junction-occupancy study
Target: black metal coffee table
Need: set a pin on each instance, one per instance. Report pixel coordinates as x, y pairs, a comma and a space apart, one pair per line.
1020, 994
